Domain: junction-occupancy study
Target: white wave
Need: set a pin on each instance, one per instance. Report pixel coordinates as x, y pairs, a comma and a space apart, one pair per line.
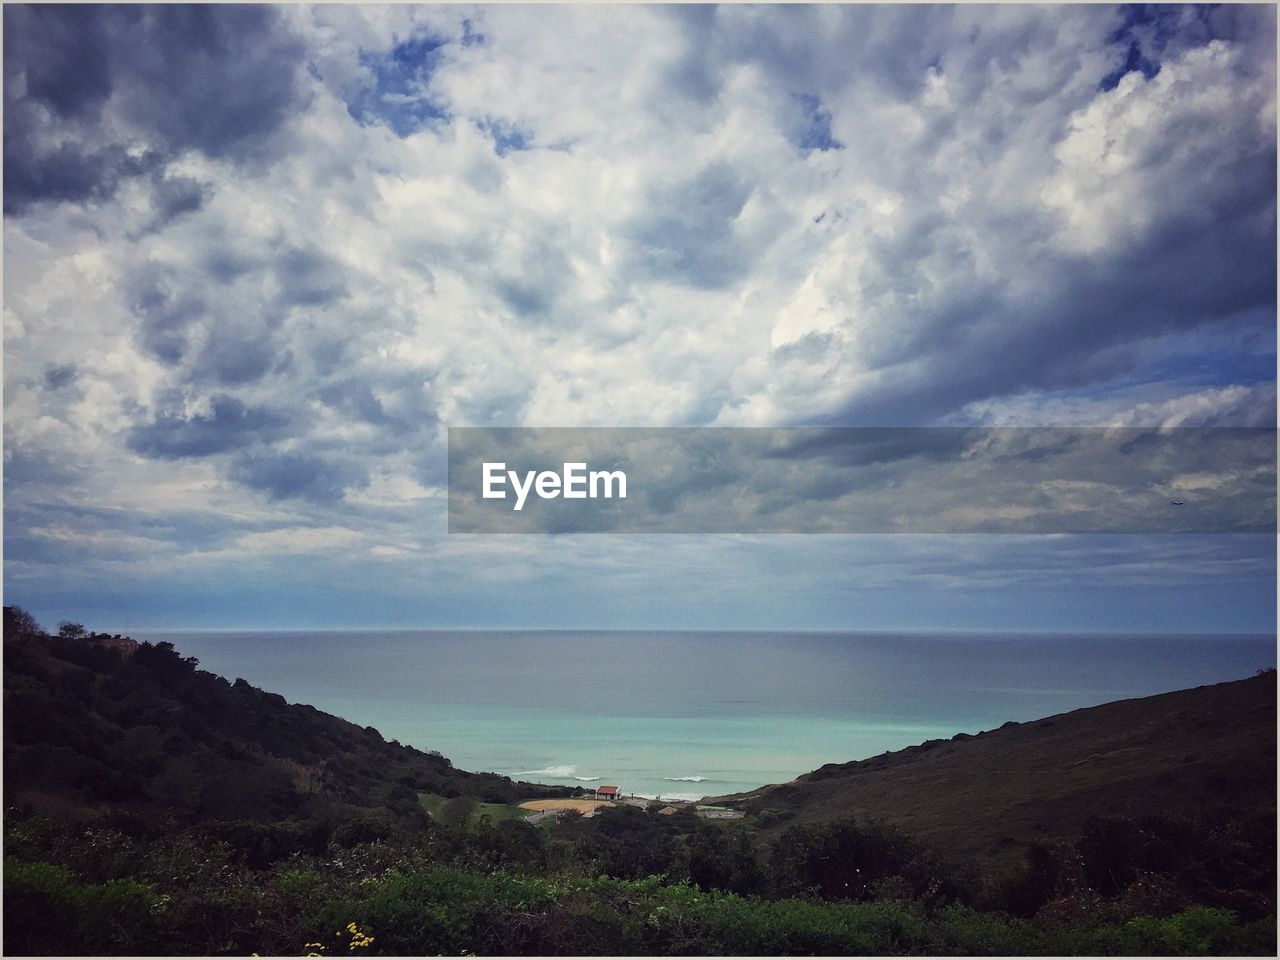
564, 772
685, 779
586, 779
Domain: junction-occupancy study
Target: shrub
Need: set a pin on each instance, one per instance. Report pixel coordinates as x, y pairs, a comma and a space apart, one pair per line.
48, 911
362, 830
845, 860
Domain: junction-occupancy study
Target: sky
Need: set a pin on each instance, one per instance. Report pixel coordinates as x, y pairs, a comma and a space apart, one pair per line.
258, 260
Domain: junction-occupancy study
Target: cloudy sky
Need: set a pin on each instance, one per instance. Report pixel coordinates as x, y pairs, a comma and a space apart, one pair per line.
258, 260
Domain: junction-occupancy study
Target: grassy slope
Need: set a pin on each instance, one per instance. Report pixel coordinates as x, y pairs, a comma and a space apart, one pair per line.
434, 803
989, 796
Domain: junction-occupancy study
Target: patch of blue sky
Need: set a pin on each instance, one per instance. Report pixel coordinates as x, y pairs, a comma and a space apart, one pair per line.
1240, 354
400, 94
507, 136
1134, 59
815, 133
1146, 29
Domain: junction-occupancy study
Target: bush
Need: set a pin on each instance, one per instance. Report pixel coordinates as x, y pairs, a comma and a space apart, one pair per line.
363, 830
1161, 864
48, 911
846, 860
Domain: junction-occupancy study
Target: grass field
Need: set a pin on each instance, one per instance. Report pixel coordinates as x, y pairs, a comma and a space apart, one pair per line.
434, 804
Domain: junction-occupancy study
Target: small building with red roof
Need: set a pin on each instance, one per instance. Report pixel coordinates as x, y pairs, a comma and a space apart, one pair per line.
607, 793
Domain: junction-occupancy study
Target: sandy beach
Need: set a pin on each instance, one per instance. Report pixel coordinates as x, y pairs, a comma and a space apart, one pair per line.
582, 806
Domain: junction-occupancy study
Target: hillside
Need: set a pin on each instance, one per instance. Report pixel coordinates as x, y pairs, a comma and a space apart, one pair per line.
95, 726
1210, 749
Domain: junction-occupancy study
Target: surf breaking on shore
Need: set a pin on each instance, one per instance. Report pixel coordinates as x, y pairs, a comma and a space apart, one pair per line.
565, 772
569, 771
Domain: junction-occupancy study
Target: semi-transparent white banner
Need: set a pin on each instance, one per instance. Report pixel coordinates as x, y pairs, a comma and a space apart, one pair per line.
862, 480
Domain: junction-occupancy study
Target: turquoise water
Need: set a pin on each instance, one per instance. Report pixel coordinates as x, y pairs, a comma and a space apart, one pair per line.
694, 714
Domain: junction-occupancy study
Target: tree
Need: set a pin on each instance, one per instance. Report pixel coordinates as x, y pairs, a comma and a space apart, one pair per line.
456, 810
71, 631
19, 623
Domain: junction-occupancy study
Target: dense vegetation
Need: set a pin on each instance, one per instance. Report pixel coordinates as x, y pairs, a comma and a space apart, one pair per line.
122, 840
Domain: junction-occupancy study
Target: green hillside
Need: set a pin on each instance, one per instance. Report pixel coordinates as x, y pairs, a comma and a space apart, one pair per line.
1210, 751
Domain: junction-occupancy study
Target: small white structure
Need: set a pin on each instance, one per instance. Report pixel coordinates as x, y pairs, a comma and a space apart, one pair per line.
607, 793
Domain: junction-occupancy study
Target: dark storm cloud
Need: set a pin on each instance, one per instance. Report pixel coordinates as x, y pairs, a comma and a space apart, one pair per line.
1214, 265
356, 400
177, 325
57, 377
173, 197
231, 424
225, 264
197, 314
65, 172
217, 79
239, 354
37, 469
165, 311
308, 278
305, 476
399, 405
220, 79
60, 53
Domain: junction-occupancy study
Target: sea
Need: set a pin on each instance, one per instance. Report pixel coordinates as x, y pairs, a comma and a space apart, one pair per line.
688, 715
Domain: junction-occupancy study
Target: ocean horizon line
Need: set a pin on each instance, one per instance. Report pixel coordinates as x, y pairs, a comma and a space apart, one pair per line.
862, 631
